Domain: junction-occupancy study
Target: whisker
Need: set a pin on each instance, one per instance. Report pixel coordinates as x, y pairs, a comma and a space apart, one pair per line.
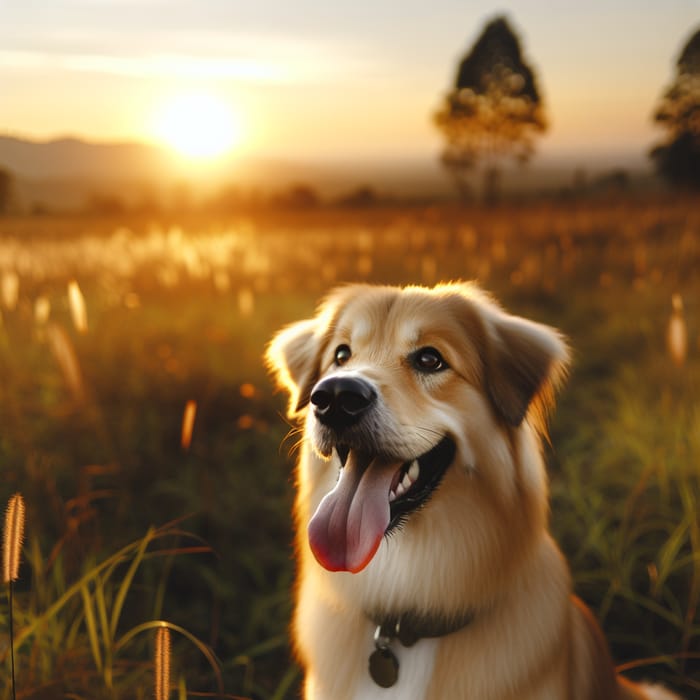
301, 438
425, 434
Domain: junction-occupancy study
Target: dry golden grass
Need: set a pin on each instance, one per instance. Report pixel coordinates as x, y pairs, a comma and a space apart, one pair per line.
177, 314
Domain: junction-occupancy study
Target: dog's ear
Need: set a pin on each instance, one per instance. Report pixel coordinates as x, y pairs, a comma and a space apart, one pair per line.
293, 358
525, 362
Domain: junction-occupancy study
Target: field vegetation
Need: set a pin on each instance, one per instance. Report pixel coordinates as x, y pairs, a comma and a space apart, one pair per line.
112, 330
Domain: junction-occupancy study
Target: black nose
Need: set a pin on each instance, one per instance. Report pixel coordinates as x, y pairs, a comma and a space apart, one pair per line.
339, 402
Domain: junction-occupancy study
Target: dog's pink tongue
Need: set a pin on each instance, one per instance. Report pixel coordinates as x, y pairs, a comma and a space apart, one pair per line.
349, 523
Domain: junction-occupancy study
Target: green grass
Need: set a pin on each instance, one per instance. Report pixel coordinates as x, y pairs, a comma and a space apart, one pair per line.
170, 321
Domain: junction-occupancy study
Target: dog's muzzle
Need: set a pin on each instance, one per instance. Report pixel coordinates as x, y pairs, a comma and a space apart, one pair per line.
378, 486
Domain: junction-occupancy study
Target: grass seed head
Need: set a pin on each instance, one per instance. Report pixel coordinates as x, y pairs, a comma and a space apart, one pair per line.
188, 417
161, 664
13, 536
78, 311
42, 310
9, 287
677, 333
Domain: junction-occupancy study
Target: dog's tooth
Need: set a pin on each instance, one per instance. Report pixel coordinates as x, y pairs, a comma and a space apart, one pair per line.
406, 482
414, 471
392, 496
400, 490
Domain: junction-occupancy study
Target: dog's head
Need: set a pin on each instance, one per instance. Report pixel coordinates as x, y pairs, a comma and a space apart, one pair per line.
400, 386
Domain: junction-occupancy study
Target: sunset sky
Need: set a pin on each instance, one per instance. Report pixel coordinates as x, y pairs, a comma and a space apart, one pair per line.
324, 79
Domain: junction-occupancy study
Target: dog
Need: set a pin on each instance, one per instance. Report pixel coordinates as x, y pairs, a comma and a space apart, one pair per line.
425, 567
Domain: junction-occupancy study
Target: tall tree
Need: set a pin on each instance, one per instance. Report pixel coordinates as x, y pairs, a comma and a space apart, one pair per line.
493, 112
677, 158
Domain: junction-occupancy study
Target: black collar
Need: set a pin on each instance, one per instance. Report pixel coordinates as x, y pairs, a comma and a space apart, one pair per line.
407, 628
410, 626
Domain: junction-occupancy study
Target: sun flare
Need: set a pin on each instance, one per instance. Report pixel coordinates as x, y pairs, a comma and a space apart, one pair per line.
198, 126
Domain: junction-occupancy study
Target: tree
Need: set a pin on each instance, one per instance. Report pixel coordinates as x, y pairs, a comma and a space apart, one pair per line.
677, 158
493, 111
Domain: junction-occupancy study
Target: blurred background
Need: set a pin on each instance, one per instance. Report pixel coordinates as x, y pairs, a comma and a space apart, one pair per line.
178, 180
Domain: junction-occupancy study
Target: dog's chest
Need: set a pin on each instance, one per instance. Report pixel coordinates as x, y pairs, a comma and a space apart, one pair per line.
415, 671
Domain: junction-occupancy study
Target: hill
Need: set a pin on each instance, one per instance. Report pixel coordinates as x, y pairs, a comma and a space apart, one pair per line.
71, 158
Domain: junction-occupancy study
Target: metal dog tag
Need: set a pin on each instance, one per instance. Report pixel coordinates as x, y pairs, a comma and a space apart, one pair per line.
384, 667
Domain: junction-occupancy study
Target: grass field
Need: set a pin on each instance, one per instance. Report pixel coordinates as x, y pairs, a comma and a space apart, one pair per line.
179, 311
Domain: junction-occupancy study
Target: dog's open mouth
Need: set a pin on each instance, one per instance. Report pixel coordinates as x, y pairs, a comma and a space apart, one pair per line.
373, 495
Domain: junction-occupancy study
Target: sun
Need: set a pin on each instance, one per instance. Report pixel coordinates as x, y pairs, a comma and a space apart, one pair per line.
198, 125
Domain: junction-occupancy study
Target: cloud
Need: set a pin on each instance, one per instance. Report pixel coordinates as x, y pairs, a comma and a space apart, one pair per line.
254, 59
155, 66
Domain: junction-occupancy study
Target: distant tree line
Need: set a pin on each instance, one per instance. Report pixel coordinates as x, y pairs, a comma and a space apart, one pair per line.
494, 112
235, 199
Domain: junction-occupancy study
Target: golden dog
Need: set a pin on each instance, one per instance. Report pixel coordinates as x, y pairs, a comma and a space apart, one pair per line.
426, 570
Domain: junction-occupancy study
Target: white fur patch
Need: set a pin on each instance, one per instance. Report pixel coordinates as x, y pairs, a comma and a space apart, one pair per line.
415, 670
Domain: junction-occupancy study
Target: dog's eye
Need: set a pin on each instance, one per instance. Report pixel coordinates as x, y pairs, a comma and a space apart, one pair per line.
342, 354
428, 360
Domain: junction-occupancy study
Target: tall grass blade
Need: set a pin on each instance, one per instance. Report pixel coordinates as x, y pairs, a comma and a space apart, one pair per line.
91, 626
669, 552
107, 639
13, 681
74, 589
181, 689
126, 582
690, 506
286, 683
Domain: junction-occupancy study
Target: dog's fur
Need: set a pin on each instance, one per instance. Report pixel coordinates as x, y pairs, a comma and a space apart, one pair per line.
480, 544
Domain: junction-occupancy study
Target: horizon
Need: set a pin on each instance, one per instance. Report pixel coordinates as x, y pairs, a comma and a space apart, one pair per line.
72, 174
607, 158
316, 83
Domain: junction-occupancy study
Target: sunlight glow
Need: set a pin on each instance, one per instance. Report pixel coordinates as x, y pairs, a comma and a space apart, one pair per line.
198, 125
